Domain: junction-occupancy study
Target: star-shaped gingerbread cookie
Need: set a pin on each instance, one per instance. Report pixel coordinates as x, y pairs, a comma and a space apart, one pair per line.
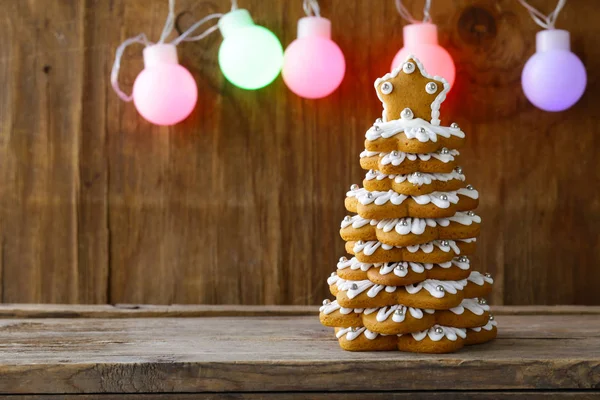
409, 92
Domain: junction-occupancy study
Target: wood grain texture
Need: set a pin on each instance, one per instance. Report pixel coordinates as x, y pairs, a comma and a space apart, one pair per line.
28, 311
241, 203
491, 395
264, 354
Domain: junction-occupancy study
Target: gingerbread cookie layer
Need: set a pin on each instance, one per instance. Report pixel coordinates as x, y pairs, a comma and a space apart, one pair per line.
389, 205
410, 231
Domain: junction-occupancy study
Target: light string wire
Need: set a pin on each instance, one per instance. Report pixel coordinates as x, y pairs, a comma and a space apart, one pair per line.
311, 8
545, 21
404, 13
168, 28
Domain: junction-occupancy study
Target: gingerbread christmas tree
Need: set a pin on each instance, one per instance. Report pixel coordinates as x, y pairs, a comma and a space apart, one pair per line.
408, 284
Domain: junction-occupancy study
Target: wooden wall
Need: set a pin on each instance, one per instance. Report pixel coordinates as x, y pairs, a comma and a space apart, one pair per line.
241, 203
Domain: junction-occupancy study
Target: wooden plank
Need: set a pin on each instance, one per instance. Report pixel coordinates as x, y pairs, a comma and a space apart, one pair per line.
22, 311
257, 354
492, 395
45, 147
240, 204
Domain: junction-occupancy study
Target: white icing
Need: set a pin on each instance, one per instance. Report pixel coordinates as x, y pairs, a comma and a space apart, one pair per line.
416, 226
488, 327
451, 334
367, 153
431, 285
333, 306
436, 198
354, 288
416, 128
472, 193
479, 279
354, 264
398, 157
333, 279
401, 272
464, 265
429, 247
385, 312
365, 197
353, 333
471, 305
437, 102
357, 222
369, 247
422, 178
404, 226
464, 218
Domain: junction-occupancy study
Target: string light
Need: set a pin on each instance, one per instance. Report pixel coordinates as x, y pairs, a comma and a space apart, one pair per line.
554, 78
313, 66
421, 40
164, 93
250, 56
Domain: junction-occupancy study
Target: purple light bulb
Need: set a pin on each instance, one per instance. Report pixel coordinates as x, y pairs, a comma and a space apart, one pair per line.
553, 78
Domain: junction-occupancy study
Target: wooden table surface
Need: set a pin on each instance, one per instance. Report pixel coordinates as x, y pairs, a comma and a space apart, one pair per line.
275, 352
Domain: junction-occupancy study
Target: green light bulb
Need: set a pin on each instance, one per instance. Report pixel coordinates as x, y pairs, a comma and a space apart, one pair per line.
250, 56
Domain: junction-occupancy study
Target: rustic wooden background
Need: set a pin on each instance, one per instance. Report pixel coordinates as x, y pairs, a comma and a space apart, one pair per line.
241, 203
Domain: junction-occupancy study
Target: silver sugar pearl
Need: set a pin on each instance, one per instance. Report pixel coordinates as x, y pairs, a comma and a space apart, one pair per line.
439, 330
387, 87
458, 170
418, 174
369, 195
354, 286
404, 222
444, 150
454, 125
394, 153
326, 301
488, 275
354, 187
482, 301
347, 218
445, 243
431, 87
343, 259
444, 197
400, 268
463, 259
407, 114
377, 128
470, 187
360, 243
470, 213
354, 329
372, 172
399, 312
408, 67
422, 130
440, 288
491, 317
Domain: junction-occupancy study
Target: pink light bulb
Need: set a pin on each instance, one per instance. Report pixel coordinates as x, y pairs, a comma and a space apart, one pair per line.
313, 65
164, 93
421, 41
554, 78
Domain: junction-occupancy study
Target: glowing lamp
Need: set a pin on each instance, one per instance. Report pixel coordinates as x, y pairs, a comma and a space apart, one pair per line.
250, 56
164, 93
421, 40
313, 65
553, 78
